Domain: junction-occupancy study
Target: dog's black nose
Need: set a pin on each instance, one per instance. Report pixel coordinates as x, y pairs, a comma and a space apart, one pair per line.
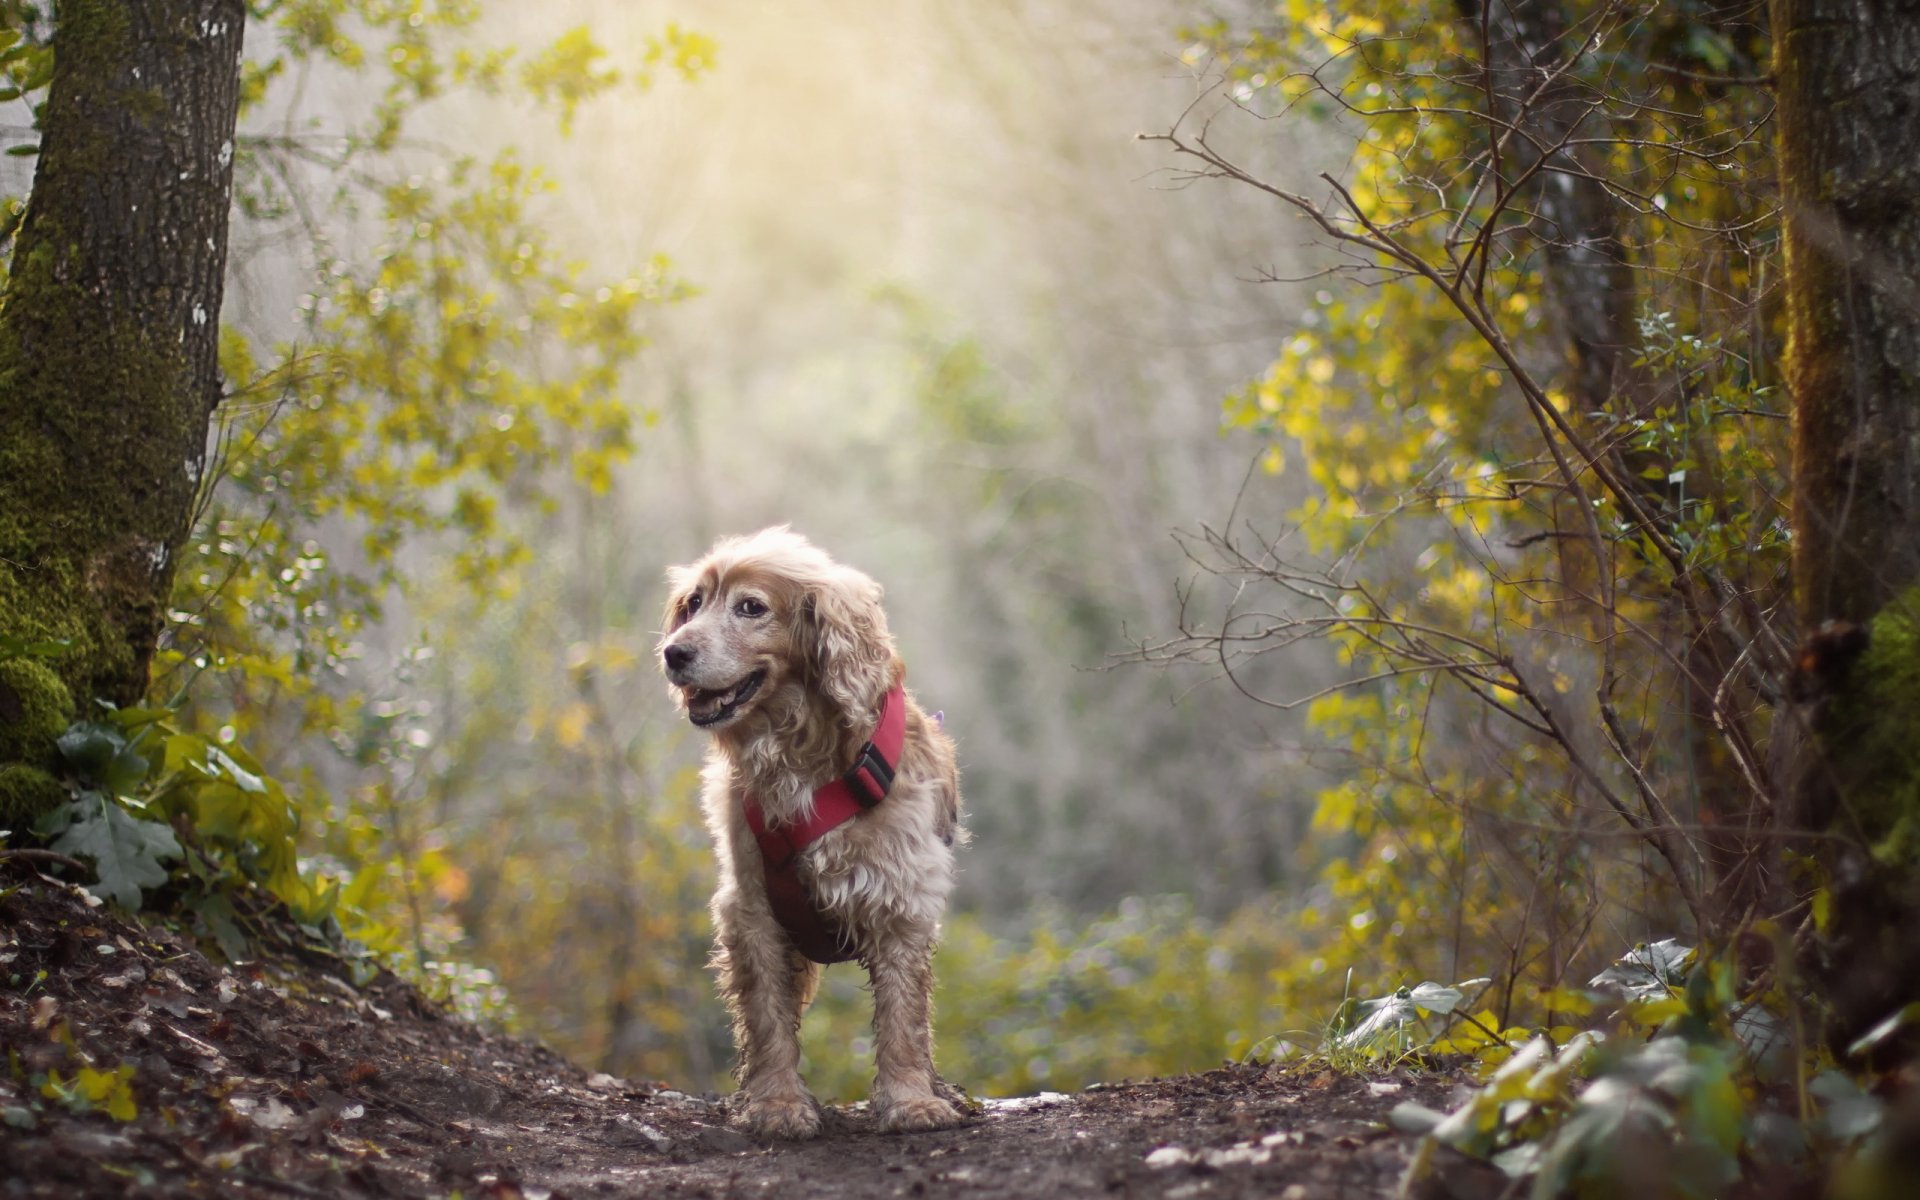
678, 657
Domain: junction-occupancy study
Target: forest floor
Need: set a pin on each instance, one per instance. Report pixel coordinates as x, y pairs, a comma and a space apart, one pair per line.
258, 1081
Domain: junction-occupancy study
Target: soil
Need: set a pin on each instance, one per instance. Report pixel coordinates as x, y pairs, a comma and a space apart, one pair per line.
272, 1081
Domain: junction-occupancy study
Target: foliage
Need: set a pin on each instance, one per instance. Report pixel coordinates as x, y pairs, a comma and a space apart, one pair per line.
1646, 972
126, 852
1393, 1025
26, 62
418, 388
1683, 1087
1533, 392
458, 357
88, 1087
135, 776
107, 1091
1149, 989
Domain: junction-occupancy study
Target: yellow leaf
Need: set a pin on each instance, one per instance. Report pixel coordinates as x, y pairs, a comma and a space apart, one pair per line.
570, 727
1657, 1011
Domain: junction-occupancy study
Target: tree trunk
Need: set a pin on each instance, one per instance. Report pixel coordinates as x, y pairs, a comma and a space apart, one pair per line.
1850, 167
109, 343
1849, 128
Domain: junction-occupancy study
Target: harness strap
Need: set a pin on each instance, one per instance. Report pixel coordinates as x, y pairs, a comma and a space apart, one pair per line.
864, 785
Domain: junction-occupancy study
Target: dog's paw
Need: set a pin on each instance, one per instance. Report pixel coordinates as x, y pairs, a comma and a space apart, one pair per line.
913, 1114
790, 1118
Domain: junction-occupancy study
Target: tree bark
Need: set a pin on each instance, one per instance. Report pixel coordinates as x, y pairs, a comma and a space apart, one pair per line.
1849, 87
109, 344
1849, 128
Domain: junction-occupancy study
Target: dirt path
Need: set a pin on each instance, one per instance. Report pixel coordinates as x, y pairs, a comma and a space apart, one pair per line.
258, 1083
1228, 1133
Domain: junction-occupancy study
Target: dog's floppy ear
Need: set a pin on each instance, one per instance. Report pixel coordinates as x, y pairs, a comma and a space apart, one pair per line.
841, 638
680, 583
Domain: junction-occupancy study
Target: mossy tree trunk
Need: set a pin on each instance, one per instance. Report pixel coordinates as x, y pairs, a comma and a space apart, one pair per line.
1849, 129
108, 348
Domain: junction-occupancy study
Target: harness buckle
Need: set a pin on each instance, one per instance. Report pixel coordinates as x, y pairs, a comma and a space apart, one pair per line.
874, 765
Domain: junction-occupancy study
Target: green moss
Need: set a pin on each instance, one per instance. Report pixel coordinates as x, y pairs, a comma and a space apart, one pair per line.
150, 104
48, 604
35, 707
75, 544
26, 795
1874, 734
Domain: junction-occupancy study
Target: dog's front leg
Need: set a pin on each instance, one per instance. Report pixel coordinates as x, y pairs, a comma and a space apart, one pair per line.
767, 987
903, 1085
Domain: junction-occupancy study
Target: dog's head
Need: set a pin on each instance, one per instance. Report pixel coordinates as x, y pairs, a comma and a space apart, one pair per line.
770, 617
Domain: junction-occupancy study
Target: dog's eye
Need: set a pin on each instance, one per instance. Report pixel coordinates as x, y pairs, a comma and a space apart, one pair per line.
750, 607
693, 604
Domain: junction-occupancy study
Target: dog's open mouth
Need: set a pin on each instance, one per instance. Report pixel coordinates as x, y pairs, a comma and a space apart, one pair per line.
710, 708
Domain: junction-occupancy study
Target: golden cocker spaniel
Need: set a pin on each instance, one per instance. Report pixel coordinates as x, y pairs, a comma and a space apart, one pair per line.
834, 804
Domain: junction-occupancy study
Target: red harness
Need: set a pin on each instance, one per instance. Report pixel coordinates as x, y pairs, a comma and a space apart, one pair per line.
835, 802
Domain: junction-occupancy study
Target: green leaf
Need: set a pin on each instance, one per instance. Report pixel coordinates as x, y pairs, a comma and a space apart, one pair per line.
218, 916
222, 811
1850, 1112
132, 718
55, 823
1385, 1019
20, 647
125, 850
101, 755
1519, 1160
88, 746
125, 773
1885, 1029
247, 780
1416, 1119
1778, 1138
1646, 972
1432, 997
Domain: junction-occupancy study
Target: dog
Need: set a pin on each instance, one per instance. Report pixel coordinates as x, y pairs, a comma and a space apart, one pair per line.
832, 844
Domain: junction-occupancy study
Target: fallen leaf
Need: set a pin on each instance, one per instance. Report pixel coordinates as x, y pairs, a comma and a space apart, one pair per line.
199, 1047
274, 1115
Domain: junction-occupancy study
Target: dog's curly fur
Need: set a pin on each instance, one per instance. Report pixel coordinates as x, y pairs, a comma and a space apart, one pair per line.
783, 656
